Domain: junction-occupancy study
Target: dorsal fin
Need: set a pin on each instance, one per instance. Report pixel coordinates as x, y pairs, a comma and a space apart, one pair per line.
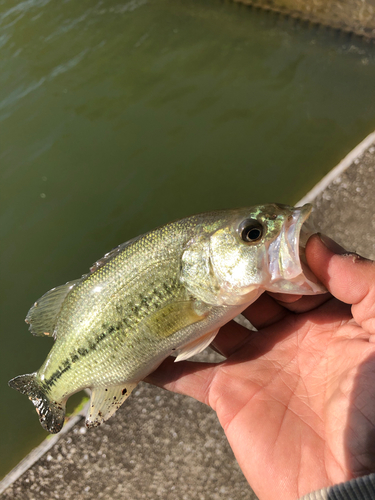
43, 314
110, 255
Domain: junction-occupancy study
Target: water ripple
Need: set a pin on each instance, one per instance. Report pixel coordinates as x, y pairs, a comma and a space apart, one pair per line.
23, 7
62, 68
21, 92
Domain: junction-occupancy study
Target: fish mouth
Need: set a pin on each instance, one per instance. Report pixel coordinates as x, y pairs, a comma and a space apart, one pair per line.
298, 231
287, 259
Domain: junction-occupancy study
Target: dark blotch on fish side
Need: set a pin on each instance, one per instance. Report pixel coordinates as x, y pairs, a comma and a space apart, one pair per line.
82, 351
124, 391
58, 373
157, 294
136, 309
92, 346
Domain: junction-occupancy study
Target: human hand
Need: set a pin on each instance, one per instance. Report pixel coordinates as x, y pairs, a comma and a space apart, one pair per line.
296, 399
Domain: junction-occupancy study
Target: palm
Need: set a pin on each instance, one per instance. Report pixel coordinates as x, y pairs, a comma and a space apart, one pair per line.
292, 405
295, 399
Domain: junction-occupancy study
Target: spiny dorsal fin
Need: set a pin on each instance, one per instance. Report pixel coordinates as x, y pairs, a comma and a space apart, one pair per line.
106, 401
43, 314
196, 346
112, 254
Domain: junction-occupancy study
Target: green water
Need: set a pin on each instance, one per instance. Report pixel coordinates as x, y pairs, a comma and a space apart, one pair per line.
116, 117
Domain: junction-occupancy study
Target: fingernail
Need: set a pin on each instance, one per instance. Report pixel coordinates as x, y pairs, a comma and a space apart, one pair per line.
332, 245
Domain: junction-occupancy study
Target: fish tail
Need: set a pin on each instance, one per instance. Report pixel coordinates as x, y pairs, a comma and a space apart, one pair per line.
51, 413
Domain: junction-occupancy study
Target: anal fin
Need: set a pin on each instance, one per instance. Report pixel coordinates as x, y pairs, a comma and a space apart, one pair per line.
106, 401
196, 346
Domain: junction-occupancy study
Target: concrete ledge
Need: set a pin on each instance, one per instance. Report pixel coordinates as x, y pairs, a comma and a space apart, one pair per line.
344, 201
40, 450
351, 16
162, 445
344, 164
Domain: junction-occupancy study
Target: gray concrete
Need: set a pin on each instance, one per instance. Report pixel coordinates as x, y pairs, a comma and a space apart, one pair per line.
161, 445
355, 16
344, 201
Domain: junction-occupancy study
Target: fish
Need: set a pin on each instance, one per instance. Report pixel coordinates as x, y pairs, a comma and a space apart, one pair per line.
166, 292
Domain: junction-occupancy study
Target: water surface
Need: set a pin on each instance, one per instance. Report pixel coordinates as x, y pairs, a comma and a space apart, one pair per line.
116, 117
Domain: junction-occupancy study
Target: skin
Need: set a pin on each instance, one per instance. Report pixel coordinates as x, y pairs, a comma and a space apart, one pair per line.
297, 398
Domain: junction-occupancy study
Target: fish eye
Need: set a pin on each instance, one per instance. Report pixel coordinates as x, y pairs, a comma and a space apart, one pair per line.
250, 230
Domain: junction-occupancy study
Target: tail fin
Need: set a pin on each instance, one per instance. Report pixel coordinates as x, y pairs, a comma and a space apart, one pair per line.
51, 414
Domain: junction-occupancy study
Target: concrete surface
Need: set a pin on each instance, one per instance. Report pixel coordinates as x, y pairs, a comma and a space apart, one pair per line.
344, 201
161, 445
355, 16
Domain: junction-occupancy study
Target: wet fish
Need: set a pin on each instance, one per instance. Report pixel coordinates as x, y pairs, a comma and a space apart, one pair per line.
167, 291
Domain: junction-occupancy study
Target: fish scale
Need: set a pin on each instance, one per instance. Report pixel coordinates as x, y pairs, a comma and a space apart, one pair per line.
167, 291
121, 334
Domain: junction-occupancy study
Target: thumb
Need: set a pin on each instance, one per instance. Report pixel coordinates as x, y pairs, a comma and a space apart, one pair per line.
349, 277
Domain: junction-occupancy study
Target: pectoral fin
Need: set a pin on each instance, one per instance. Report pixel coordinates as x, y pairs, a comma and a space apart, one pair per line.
172, 318
196, 346
106, 401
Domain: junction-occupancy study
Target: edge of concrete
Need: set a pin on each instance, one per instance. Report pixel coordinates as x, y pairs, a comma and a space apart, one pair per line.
34, 455
338, 170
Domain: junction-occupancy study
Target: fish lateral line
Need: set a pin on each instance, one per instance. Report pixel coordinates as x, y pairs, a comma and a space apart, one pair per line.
170, 290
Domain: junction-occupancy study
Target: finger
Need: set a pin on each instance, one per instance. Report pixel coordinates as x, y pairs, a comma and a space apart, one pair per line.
264, 312
305, 303
230, 338
285, 298
349, 277
185, 377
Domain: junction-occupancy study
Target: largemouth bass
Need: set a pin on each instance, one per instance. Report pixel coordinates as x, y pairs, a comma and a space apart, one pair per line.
167, 291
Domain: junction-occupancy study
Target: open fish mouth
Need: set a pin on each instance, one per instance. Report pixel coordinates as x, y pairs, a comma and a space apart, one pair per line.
287, 260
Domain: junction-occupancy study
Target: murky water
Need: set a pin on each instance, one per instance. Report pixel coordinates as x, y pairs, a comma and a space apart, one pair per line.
116, 117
